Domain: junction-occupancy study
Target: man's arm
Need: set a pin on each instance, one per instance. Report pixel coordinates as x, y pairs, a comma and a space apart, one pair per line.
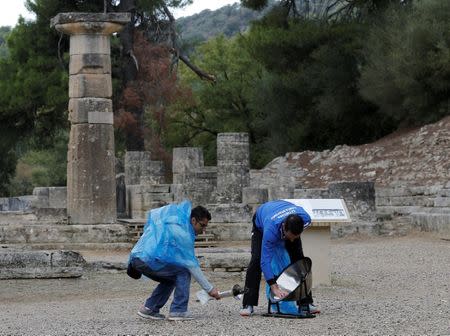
198, 275
268, 244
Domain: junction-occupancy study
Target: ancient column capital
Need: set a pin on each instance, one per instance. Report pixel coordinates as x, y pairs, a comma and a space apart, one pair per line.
90, 23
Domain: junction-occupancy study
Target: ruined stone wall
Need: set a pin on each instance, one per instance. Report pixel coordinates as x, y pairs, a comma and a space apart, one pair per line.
140, 169
193, 180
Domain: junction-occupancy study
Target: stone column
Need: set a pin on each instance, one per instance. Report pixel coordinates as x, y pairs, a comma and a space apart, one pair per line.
185, 160
233, 166
91, 186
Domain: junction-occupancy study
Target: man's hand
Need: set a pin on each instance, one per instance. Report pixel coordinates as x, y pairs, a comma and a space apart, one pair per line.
214, 293
277, 292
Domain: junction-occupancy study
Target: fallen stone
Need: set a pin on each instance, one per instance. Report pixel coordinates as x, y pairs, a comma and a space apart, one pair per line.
32, 264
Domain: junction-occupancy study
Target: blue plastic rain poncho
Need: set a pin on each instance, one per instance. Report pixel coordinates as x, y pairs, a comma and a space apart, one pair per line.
168, 238
279, 262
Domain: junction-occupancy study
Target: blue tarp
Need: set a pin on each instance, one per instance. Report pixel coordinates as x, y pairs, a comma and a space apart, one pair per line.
168, 238
279, 262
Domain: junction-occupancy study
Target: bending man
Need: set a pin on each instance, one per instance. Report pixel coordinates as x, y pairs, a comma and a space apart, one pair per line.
165, 253
273, 222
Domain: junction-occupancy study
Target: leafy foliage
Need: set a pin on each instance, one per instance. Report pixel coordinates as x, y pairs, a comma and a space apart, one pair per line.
292, 88
44, 167
4, 32
407, 71
203, 109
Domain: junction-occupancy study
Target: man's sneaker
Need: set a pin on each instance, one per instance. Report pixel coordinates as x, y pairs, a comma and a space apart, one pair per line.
312, 309
246, 311
184, 316
150, 314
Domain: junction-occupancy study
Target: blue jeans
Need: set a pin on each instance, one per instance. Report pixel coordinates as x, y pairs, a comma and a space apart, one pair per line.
169, 277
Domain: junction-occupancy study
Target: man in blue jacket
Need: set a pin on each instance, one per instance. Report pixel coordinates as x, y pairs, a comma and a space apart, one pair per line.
165, 253
274, 222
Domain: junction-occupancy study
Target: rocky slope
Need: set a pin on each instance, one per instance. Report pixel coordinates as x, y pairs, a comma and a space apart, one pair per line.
418, 157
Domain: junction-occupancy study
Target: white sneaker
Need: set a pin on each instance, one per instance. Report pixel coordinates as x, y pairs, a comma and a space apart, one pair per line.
311, 308
246, 311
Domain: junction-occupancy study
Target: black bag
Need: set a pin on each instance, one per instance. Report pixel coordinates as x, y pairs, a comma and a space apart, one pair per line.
133, 273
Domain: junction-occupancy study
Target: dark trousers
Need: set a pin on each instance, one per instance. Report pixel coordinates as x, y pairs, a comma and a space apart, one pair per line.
170, 278
253, 276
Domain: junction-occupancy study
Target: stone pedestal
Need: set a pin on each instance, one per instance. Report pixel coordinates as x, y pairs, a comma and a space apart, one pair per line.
316, 245
91, 187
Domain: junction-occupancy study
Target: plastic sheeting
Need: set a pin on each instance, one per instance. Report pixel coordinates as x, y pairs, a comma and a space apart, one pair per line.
279, 262
168, 238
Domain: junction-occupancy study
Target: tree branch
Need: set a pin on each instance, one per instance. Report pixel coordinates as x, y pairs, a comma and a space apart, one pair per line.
175, 50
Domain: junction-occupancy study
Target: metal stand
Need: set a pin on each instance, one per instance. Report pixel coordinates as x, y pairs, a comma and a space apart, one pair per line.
297, 279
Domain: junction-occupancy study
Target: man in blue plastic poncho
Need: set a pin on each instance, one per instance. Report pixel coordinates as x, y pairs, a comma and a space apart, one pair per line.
274, 223
165, 253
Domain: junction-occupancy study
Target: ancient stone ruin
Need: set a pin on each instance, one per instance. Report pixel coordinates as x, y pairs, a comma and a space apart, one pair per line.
84, 215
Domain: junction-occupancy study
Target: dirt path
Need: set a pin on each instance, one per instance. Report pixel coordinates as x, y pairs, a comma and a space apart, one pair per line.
380, 286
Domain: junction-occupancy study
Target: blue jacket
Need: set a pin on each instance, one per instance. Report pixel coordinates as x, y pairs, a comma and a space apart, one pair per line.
269, 217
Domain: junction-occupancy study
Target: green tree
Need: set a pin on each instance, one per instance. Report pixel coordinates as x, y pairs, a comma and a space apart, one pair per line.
309, 96
407, 70
204, 109
33, 78
293, 85
4, 32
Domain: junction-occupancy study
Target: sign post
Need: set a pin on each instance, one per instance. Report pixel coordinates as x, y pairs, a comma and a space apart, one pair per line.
316, 239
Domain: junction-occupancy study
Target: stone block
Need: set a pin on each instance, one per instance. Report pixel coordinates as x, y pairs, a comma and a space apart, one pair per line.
233, 166
444, 193
101, 118
140, 169
90, 85
22, 203
178, 192
57, 197
149, 197
281, 192
41, 197
152, 172
27, 264
233, 260
90, 174
90, 63
230, 213
90, 44
134, 160
79, 108
254, 195
439, 223
442, 202
186, 160
311, 193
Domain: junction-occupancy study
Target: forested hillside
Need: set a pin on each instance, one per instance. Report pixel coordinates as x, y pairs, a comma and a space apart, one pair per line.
228, 20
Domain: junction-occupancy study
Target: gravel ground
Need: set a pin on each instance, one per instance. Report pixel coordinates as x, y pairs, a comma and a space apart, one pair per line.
380, 286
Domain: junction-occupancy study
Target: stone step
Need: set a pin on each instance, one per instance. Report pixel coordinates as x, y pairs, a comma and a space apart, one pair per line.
426, 201
401, 210
206, 243
64, 234
73, 246
432, 222
38, 216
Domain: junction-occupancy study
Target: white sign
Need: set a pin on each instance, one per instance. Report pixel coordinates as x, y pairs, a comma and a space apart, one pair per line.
324, 210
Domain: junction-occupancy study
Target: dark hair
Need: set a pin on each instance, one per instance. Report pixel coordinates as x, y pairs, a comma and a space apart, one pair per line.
200, 212
294, 224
